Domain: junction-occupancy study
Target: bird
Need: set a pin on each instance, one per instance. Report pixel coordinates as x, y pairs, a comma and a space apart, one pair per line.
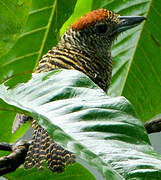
86, 47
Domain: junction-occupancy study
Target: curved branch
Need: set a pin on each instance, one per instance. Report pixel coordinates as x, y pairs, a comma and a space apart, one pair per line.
17, 157
5, 147
153, 126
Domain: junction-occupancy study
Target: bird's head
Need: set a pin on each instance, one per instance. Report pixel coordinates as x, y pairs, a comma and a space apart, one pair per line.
97, 30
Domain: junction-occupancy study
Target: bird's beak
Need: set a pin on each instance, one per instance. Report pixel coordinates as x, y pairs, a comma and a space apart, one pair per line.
127, 22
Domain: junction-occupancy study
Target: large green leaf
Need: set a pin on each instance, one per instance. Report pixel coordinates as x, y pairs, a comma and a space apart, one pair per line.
145, 69
13, 15
40, 33
137, 66
101, 130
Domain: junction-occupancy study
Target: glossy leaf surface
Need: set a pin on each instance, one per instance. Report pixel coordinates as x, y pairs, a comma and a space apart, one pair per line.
101, 130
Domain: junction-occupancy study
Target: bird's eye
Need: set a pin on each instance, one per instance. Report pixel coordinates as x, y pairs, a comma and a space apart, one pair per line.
101, 28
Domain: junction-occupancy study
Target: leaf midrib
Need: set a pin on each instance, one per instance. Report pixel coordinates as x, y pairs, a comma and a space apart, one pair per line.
133, 54
46, 33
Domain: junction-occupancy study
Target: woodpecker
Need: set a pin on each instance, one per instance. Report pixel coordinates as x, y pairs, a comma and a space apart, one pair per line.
86, 47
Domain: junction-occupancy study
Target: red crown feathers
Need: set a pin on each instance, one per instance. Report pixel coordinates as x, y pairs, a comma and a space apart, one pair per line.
92, 17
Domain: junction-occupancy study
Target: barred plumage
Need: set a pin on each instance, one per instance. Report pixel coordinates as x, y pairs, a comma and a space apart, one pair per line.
98, 70
85, 46
44, 148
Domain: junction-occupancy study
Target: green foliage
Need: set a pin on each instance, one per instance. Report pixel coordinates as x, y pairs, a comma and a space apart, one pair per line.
74, 172
40, 33
143, 83
124, 146
13, 16
101, 130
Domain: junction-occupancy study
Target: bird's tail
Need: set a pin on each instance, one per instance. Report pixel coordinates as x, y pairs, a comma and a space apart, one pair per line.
43, 148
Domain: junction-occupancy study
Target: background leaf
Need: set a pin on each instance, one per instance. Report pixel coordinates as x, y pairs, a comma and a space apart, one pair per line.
82, 7
145, 93
101, 130
73, 172
137, 52
39, 35
13, 15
